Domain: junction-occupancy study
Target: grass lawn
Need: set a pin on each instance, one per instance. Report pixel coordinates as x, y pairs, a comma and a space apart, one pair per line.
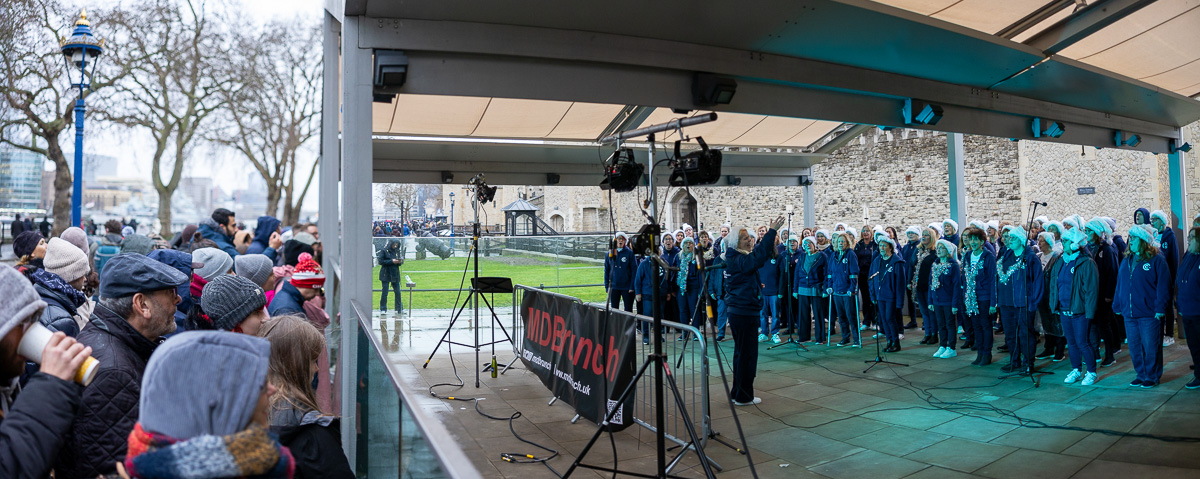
523, 269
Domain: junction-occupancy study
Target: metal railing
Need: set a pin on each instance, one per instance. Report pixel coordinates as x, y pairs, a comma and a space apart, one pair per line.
394, 437
688, 360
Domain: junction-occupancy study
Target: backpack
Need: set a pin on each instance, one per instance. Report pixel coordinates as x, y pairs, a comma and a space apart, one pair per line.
105, 253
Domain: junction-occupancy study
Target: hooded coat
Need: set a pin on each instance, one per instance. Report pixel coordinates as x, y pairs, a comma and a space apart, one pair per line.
33, 428
619, 270
314, 441
838, 272
389, 272
209, 229
1187, 285
1144, 214
1085, 286
261, 244
62, 302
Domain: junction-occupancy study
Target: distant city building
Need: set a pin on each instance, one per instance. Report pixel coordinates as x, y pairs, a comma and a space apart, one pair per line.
201, 192
97, 166
48, 192
21, 181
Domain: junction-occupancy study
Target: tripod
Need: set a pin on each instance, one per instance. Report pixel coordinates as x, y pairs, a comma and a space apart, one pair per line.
1031, 370
879, 352
479, 286
659, 360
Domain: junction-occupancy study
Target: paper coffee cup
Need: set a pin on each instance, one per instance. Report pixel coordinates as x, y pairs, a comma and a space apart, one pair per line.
34, 342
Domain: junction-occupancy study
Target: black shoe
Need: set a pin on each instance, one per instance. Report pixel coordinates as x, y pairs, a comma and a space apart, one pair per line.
969, 345
1136, 383
1059, 357
1148, 384
896, 347
1193, 384
985, 359
977, 359
1108, 362
1003, 349
1011, 367
911, 325
1045, 354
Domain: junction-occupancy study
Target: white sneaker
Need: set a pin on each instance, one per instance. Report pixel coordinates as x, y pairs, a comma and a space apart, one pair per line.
756, 400
960, 330
940, 351
949, 353
862, 327
775, 339
1089, 379
1074, 376
876, 336
762, 338
901, 336
1168, 341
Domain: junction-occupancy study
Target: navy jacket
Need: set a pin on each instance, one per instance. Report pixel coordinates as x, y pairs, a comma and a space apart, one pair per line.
741, 276
769, 277
262, 237
209, 229
1143, 288
952, 238
715, 278
1187, 285
692, 278
619, 270
643, 281
908, 252
866, 253
787, 270
1105, 256
839, 272
891, 281
287, 301
1170, 250
985, 280
813, 277
1026, 285
949, 290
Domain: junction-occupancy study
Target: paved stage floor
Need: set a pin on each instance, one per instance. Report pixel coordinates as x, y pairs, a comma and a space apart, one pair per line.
822, 417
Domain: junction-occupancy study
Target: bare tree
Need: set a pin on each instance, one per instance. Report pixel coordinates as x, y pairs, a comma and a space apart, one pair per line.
274, 115
35, 92
399, 195
174, 90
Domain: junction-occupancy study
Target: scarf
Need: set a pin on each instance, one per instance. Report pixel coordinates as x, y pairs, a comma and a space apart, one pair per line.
935, 277
972, 300
54, 282
1070, 257
197, 287
250, 452
685, 258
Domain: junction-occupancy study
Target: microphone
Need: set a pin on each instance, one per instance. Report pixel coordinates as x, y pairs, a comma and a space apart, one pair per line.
1039, 203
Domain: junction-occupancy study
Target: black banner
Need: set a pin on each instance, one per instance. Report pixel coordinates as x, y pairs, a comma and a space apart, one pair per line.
576, 353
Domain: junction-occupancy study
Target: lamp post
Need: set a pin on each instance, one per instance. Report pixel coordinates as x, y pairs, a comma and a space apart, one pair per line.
77, 51
451, 213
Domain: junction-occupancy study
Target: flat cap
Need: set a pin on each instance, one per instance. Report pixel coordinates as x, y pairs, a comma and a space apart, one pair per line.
129, 273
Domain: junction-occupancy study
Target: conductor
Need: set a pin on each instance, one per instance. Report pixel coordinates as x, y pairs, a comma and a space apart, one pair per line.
743, 301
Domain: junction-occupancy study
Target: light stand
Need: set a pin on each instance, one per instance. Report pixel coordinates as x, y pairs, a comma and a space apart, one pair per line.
1032, 371
787, 297
479, 286
657, 358
879, 352
1033, 214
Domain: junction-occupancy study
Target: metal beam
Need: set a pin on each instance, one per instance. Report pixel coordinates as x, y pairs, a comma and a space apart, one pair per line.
1037, 16
1083, 23
514, 77
956, 168
843, 138
810, 215
629, 118
329, 202
356, 218
1177, 169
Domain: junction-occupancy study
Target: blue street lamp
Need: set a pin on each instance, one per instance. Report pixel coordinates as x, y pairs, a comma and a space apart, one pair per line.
77, 50
451, 213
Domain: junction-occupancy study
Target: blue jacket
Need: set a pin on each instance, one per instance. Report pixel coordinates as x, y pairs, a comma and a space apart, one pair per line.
1143, 288
1169, 249
891, 281
1026, 285
866, 253
267, 225
769, 277
619, 270
841, 273
741, 276
287, 301
949, 290
643, 281
1144, 213
715, 278
1187, 285
814, 276
209, 229
908, 251
787, 270
952, 238
985, 280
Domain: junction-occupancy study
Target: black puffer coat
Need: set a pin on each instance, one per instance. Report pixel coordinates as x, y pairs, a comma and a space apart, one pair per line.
314, 441
109, 407
389, 272
60, 311
31, 433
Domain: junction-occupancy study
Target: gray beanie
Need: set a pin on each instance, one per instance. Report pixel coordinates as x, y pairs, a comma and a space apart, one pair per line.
136, 243
20, 302
66, 260
77, 237
306, 238
228, 300
254, 267
215, 263
203, 383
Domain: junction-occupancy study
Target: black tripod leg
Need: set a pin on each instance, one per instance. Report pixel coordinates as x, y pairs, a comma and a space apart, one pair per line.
687, 423
604, 424
446, 335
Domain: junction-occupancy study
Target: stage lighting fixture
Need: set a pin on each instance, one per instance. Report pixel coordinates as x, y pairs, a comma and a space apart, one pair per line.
621, 172
700, 167
391, 68
917, 111
1052, 129
646, 239
1133, 140
447, 177
709, 89
483, 192
805, 180
1173, 146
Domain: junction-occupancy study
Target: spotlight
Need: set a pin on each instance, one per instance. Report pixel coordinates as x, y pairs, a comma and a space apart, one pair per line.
483, 192
621, 172
917, 111
1173, 146
709, 89
1133, 140
646, 239
1051, 129
447, 177
700, 167
391, 68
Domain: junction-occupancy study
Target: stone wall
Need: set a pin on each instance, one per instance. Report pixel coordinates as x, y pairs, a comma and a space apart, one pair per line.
900, 178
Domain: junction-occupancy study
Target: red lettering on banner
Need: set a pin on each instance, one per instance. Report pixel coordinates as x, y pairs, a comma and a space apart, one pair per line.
560, 328
545, 330
614, 357
531, 331
597, 356
578, 351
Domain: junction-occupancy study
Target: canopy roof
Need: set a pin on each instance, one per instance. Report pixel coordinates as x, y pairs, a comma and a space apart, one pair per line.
523, 88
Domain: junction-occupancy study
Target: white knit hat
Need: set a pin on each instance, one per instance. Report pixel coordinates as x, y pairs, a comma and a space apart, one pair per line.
914, 229
950, 222
66, 260
950, 247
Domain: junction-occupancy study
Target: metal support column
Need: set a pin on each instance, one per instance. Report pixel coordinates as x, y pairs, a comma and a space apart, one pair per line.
958, 183
1177, 169
329, 214
810, 215
356, 207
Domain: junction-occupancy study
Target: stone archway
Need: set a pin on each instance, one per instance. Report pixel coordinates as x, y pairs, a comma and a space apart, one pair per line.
683, 210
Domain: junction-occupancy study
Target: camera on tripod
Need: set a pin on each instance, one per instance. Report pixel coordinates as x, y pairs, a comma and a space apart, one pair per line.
483, 192
700, 167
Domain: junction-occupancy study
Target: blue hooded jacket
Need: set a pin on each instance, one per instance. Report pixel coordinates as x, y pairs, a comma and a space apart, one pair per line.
715, 278
814, 276
267, 225
209, 229
741, 276
891, 281
839, 271
1169, 249
1143, 288
1187, 285
1145, 215
619, 270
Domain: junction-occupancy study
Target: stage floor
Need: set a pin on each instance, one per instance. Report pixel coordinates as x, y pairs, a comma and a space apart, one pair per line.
822, 417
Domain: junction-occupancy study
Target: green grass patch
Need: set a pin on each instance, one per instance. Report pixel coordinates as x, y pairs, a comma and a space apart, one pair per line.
523, 269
